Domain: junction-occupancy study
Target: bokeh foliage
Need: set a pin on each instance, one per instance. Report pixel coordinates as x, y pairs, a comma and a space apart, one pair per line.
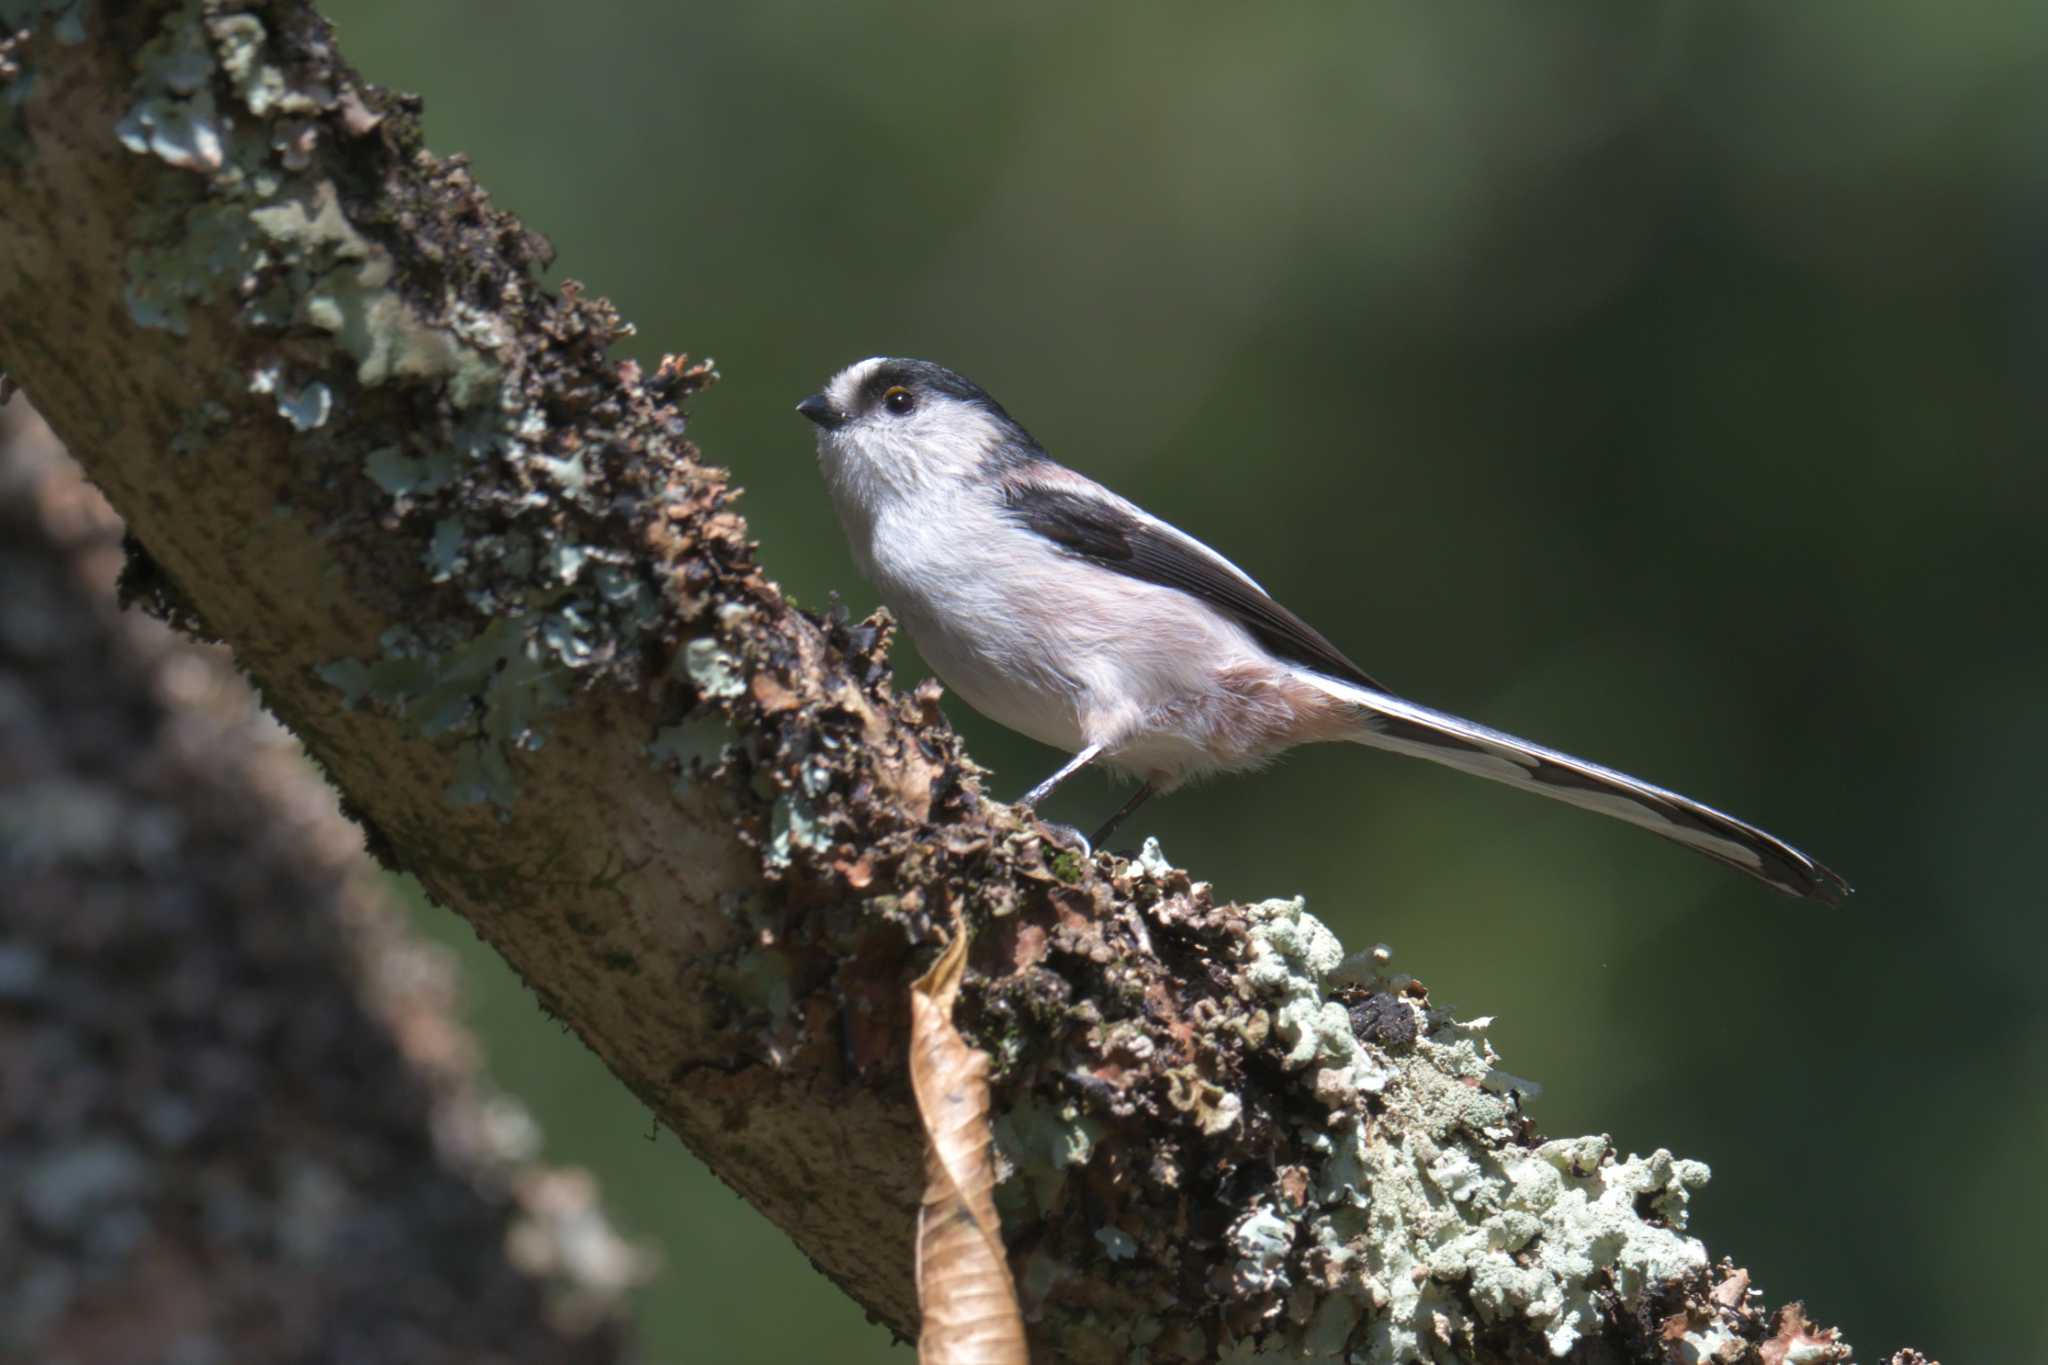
1658, 380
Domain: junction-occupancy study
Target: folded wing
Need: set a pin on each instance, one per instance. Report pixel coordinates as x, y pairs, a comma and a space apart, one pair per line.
1094, 524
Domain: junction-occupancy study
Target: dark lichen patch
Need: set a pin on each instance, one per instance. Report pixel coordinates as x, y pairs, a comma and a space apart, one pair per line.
1384, 1018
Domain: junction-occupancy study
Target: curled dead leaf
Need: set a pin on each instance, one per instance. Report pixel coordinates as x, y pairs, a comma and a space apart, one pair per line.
965, 1295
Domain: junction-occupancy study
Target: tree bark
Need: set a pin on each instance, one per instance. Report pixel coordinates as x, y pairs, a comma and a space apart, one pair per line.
476, 566
239, 1120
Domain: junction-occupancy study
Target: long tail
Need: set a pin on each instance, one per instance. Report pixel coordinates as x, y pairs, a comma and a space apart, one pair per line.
1388, 722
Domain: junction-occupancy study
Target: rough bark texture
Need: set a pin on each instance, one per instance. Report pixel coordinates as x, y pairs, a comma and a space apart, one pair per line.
477, 568
237, 1118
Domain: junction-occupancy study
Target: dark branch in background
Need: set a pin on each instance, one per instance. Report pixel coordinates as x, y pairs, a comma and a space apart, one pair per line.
474, 564
239, 1120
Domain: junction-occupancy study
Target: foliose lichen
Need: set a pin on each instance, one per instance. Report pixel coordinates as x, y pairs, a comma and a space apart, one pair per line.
794, 827
694, 747
254, 223
1457, 1229
1386, 1202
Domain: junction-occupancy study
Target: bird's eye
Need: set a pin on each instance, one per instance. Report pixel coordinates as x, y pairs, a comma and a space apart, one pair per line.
899, 400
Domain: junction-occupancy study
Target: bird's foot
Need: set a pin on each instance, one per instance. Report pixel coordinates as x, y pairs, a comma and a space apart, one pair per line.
1066, 836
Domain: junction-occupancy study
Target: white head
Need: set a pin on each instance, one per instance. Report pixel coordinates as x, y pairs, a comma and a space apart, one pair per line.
902, 426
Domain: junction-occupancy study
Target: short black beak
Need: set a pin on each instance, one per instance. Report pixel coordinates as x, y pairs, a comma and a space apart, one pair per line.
820, 410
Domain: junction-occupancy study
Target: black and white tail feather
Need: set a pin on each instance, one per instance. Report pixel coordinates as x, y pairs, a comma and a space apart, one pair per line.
1403, 727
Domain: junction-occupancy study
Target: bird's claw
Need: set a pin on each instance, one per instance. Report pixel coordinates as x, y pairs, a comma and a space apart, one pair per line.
1069, 837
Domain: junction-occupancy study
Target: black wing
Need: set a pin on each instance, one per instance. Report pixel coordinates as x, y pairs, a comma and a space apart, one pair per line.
1092, 527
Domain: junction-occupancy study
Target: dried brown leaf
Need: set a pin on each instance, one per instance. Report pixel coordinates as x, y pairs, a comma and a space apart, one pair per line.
965, 1295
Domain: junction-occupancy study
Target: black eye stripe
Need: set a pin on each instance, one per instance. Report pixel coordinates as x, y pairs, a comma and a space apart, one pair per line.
925, 380
930, 384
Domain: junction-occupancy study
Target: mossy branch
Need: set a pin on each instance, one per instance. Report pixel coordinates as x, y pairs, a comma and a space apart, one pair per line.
475, 565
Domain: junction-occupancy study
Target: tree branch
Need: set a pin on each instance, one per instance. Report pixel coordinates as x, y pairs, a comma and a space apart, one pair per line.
231, 1071
476, 566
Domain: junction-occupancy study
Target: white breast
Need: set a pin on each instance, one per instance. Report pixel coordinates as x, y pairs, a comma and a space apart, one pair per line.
1045, 643
981, 602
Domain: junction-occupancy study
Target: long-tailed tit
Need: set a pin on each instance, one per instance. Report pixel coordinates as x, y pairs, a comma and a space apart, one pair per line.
1070, 614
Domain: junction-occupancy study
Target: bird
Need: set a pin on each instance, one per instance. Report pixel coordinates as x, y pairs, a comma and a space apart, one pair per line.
1068, 613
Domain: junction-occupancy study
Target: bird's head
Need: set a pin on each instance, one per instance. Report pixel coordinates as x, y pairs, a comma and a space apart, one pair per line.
907, 424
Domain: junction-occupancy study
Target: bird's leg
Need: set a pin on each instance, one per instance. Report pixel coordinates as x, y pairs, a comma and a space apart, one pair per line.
1138, 799
1073, 765
1030, 799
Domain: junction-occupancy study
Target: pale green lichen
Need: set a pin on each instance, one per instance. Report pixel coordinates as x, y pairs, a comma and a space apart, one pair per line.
447, 550
183, 132
1561, 1228
239, 40
569, 473
1117, 1244
253, 228
348, 294
401, 475
715, 673
1263, 1240
1291, 953
793, 826
334, 278
1038, 1144
339, 280
483, 776
1214, 1109
495, 685
816, 777
564, 560
1429, 1238
171, 273
572, 633
305, 408
694, 747
173, 116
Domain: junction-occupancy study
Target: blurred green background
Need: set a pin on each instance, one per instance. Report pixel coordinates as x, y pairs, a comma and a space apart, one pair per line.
1662, 381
